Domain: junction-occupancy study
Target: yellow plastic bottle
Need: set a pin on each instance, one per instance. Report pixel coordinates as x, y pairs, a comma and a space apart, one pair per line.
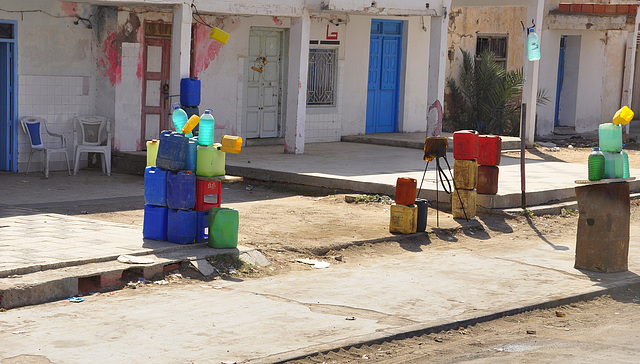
152, 152
191, 123
623, 116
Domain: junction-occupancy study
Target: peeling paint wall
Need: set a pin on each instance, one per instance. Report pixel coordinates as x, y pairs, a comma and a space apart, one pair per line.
56, 68
466, 23
221, 68
127, 72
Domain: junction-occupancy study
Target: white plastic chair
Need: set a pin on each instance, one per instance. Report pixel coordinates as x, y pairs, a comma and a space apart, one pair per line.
32, 126
91, 128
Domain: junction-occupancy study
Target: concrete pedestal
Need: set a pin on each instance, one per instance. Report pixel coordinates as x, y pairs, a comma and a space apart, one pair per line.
602, 243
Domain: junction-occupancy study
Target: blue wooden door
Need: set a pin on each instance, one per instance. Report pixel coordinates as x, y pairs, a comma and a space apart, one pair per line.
8, 97
563, 40
385, 51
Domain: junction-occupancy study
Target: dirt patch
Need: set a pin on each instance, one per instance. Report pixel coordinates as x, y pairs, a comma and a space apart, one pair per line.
599, 328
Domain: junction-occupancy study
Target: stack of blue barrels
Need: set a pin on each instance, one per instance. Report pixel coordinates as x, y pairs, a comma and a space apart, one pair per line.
170, 197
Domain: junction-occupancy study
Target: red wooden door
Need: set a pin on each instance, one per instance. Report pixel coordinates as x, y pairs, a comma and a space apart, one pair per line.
156, 105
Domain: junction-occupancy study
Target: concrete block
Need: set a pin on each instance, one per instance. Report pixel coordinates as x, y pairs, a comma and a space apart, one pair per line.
254, 257
31, 294
602, 243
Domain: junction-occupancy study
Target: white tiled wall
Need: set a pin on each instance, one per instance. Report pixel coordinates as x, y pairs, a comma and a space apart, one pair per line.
57, 99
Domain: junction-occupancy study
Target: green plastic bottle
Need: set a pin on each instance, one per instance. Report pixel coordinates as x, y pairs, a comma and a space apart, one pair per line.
596, 165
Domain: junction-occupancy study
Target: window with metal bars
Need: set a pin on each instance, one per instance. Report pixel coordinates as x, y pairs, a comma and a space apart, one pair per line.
494, 43
321, 80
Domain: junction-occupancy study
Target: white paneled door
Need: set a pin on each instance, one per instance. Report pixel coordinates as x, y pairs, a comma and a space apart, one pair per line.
264, 84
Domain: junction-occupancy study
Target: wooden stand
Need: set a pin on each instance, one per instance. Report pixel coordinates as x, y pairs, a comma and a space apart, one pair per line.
602, 243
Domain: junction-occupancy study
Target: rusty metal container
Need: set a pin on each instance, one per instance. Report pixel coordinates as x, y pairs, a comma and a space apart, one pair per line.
403, 219
487, 180
466, 198
602, 243
465, 174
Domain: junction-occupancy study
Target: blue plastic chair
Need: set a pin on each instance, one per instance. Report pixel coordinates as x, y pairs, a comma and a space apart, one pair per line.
33, 126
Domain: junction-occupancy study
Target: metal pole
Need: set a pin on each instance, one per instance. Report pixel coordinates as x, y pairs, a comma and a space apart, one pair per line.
523, 128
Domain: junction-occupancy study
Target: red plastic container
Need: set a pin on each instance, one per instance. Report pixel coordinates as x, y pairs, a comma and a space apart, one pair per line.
406, 191
207, 193
487, 180
490, 147
465, 144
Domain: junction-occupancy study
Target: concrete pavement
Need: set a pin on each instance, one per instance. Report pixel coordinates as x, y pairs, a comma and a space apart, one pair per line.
274, 318
289, 316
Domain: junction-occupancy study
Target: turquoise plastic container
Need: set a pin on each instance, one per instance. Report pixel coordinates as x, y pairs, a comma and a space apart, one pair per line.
179, 118
625, 164
155, 186
172, 151
181, 226
610, 137
613, 165
181, 190
155, 222
223, 228
533, 45
206, 128
192, 155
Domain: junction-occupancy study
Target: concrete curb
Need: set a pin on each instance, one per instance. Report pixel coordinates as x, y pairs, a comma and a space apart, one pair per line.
71, 263
71, 280
425, 329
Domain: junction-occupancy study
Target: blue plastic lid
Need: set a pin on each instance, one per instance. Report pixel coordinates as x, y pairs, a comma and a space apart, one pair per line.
208, 111
596, 149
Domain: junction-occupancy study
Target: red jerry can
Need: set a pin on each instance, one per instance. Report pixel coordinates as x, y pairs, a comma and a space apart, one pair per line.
490, 149
406, 191
487, 180
465, 144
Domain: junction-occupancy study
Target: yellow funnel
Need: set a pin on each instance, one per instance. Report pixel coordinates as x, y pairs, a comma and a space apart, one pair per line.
231, 144
623, 116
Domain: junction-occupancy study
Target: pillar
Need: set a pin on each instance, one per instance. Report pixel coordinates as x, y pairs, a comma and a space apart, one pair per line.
437, 67
297, 84
180, 46
531, 69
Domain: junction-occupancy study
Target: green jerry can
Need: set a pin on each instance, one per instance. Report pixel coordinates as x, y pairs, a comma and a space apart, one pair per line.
223, 228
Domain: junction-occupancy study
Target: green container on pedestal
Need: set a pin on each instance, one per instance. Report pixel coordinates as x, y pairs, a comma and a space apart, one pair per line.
223, 228
210, 161
610, 137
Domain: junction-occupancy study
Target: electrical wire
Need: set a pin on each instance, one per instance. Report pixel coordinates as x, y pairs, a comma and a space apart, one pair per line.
197, 17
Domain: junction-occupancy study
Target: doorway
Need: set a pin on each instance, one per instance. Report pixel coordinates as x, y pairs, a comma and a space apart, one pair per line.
385, 54
567, 83
264, 83
156, 103
8, 97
